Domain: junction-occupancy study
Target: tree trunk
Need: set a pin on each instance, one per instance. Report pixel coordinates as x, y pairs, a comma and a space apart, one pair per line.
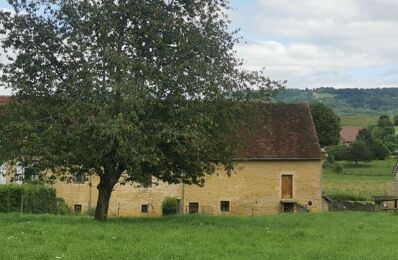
105, 188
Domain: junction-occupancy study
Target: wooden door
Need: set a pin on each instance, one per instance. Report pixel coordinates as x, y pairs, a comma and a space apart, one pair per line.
287, 186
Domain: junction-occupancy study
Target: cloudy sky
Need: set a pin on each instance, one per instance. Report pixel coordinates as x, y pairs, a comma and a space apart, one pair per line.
315, 43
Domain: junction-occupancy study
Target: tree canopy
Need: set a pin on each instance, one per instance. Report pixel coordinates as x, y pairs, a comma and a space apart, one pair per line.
358, 151
327, 124
127, 90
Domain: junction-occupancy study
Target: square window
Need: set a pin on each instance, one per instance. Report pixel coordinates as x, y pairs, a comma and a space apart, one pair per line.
144, 208
288, 207
79, 178
77, 208
193, 207
224, 206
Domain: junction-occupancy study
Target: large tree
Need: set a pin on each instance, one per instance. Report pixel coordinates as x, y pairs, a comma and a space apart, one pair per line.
127, 90
327, 124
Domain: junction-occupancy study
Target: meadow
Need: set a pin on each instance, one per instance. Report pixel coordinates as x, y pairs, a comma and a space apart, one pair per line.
358, 120
345, 235
362, 181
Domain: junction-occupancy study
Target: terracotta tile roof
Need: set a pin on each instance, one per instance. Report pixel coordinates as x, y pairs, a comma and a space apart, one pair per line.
285, 132
348, 134
4, 99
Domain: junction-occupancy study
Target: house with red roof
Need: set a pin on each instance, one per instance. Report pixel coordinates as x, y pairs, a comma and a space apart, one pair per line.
277, 169
348, 134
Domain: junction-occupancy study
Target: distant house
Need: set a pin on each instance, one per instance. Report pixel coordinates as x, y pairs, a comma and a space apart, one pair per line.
278, 169
4, 100
348, 134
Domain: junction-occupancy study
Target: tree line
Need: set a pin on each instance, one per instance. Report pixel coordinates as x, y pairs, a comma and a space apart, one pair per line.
346, 101
372, 143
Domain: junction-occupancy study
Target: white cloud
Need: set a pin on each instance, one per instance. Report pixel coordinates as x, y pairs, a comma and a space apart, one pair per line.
321, 41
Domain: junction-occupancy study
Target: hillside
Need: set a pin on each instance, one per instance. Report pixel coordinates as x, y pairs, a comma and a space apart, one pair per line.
346, 101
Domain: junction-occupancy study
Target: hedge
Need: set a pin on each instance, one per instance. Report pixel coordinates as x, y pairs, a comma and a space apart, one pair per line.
36, 198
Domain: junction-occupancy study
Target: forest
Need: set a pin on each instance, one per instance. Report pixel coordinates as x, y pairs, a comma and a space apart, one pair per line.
347, 101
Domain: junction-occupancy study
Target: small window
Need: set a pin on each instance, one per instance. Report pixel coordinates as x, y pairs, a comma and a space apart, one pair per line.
224, 206
193, 208
77, 208
144, 208
288, 207
79, 178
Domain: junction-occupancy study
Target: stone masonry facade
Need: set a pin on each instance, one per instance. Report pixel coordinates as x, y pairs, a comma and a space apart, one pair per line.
254, 189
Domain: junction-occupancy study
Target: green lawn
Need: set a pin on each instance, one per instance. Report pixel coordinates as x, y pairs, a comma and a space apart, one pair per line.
364, 179
362, 121
290, 236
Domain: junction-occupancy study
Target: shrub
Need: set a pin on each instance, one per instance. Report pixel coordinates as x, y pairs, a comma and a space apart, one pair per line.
379, 150
337, 152
62, 207
34, 198
338, 168
170, 206
347, 196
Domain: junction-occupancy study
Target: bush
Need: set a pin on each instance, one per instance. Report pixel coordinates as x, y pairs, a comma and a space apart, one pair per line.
36, 199
170, 206
337, 152
396, 120
338, 168
379, 150
62, 207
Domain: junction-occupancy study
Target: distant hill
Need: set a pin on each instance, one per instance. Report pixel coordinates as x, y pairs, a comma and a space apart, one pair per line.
346, 101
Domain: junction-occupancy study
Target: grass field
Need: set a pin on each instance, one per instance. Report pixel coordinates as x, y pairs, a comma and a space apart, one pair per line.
362, 121
290, 236
365, 179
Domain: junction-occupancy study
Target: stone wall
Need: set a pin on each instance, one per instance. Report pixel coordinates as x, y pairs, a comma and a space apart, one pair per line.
254, 189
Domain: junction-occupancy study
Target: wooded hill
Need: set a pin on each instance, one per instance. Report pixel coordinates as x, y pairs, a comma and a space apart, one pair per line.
346, 101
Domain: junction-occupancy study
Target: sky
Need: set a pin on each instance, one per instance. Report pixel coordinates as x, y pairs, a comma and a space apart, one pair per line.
317, 43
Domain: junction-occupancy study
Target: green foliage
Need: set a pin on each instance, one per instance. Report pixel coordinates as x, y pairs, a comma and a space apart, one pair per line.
347, 196
337, 152
62, 207
359, 151
357, 102
395, 120
327, 124
35, 198
384, 121
379, 150
170, 206
365, 135
144, 88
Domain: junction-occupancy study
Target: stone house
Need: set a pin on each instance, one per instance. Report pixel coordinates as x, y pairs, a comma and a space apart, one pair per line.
348, 134
278, 169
